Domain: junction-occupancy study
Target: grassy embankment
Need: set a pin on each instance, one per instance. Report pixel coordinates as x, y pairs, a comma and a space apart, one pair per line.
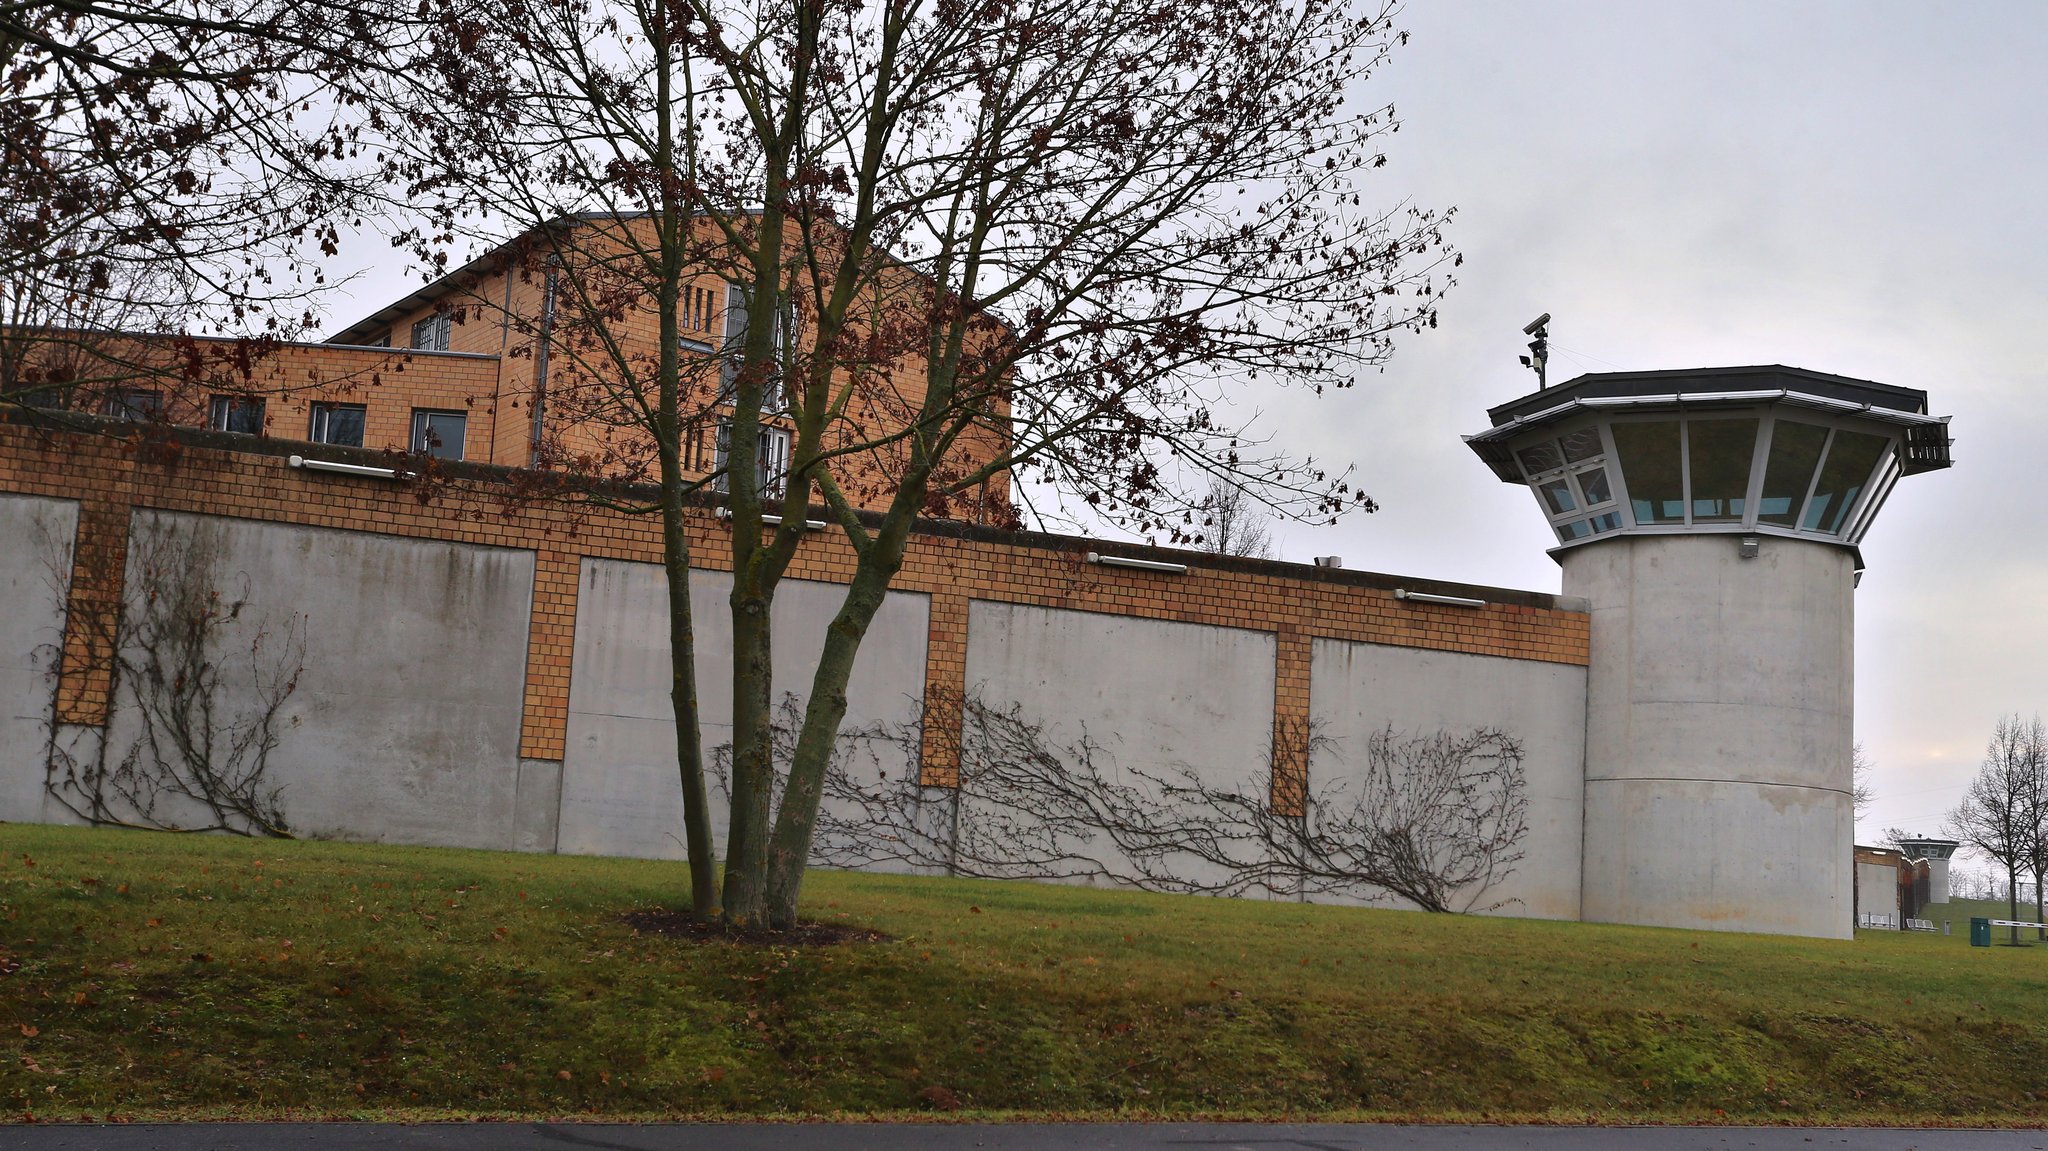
164, 976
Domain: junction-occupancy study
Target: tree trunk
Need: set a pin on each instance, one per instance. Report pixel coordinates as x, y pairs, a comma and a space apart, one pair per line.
797, 818
753, 761
675, 536
2040, 899
682, 648
2012, 899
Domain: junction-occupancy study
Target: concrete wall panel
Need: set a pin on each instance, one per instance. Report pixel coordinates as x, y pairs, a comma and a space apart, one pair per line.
1709, 666
1157, 696
1719, 856
1877, 889
1358, 689
36, 537
404, 726
620, 791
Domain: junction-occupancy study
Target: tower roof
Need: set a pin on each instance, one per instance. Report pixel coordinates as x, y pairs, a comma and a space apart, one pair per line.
1762, 381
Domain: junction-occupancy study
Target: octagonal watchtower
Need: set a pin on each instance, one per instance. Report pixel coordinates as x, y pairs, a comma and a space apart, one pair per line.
1711, 517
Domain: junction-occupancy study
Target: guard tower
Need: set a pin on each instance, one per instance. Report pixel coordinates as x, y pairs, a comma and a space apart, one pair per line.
1711, 518
1937, 853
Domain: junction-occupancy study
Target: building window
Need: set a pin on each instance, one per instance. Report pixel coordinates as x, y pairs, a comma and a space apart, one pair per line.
1569, 475
338, 424
697, 318
1795, 455
132, 404
439, 434
735, 349
1721, 454
1852, 456
239, 414
1653, 468
771, 464
431, 334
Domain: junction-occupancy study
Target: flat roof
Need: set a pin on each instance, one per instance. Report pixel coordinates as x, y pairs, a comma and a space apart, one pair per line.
1694, 381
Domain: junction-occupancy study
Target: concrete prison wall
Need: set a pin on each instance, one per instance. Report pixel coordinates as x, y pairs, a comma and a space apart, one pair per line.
480, 671
35, 575
620, 788
407, 658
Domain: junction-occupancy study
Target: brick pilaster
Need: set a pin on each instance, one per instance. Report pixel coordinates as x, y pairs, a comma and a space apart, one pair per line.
92, 611
1289, 787
550, 644
945, 687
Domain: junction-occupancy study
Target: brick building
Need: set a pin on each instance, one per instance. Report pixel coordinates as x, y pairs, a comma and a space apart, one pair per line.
515, 359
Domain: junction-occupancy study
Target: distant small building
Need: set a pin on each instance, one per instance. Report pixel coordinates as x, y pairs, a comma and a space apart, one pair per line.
1893, 887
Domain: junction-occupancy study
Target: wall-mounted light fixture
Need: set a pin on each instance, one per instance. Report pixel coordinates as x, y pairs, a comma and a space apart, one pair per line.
1429, 597
773, 521
1749, 546
1141, 565
345, 469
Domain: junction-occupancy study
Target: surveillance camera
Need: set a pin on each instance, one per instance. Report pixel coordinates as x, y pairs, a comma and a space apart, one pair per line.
1536, 323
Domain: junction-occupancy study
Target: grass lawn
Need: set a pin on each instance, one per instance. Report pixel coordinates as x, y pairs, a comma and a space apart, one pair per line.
146, 975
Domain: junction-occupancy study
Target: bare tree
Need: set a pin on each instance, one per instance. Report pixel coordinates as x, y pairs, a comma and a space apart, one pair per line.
1860, 769
968, 242
1234, 525
2000, 814
174, 168
1435, 818
2033, 753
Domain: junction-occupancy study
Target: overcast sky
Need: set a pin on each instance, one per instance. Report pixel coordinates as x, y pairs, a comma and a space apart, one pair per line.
1855, 188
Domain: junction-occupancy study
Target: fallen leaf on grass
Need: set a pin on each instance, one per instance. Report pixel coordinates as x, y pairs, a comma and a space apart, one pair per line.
28, 1032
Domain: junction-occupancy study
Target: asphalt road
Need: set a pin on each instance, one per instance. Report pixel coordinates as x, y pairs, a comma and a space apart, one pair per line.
1020, 1137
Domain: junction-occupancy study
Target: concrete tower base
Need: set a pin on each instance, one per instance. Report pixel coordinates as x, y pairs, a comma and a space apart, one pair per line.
1718, 733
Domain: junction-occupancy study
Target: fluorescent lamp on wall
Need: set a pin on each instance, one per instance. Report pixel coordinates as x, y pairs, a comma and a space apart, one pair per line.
1427, 597
344, 469
811, 525
1140, 565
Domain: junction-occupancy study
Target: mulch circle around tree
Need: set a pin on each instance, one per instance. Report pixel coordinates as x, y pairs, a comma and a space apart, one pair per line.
683, 925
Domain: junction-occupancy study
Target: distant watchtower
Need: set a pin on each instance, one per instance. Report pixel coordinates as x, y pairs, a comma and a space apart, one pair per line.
1937, 853
1711, 517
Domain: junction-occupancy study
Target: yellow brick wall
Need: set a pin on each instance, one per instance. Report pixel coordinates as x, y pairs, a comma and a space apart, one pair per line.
478, 309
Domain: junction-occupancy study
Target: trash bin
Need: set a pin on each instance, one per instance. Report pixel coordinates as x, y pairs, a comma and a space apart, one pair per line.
1980, 931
